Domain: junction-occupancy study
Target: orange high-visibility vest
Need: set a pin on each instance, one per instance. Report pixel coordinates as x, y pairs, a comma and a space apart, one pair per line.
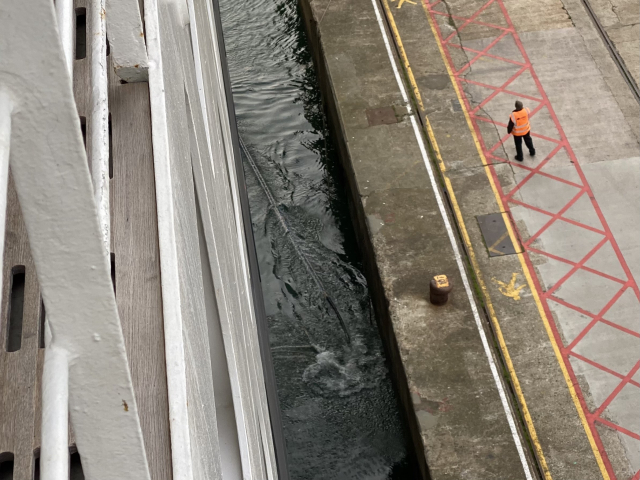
520, 121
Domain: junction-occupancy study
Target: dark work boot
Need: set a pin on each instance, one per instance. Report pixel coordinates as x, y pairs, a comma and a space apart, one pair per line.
519, 159
532, 152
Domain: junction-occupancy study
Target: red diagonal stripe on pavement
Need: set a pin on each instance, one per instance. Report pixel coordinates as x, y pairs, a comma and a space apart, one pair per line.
576, 267
583, 267
477, 57
555, 217
595, 318
564, 219
468, 21
475, 22
602, 367
617, 390
617, 427
531, 169
499, 89
484, 85
534, 171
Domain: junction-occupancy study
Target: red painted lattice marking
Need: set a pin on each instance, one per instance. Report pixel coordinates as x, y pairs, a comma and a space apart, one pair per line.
581, 189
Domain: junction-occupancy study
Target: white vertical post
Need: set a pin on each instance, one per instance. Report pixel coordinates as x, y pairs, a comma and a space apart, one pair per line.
66, 23
99, 154
54, 448
54, 445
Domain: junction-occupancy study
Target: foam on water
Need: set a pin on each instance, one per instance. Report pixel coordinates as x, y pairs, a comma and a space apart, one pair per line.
350, 372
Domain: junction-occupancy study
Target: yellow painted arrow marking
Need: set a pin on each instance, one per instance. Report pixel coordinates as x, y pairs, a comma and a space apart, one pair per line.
403, 1
510, 289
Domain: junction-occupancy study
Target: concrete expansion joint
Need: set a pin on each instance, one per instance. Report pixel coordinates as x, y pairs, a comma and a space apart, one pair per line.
568, 14
614, 9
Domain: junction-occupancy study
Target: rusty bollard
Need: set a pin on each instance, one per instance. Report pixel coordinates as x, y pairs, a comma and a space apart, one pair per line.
439, 290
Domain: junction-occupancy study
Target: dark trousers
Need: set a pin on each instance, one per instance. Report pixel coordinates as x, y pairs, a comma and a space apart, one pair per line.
528, 142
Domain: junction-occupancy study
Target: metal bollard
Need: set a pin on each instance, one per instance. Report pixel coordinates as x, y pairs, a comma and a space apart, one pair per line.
439, 290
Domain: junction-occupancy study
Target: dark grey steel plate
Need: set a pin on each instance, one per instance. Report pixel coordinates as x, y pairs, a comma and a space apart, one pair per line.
495, 234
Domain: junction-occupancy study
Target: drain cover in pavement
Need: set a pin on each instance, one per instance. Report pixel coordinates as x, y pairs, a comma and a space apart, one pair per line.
495, 234
381, 116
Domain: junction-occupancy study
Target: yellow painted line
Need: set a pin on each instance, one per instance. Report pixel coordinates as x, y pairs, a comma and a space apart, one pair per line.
494, 320
492, 248
496, 327
527, 275
474, 262
396, 35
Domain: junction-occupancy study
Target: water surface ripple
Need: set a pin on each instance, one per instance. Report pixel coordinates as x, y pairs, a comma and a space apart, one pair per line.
341, 416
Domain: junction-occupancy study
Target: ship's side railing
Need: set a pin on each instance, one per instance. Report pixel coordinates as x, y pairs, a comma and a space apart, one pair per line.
64, 197
66, 213
191, 120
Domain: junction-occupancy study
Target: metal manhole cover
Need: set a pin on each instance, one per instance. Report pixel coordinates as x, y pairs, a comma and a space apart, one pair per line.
495, 234
381, 116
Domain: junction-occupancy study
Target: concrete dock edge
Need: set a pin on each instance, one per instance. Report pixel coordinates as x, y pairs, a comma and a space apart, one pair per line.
468, 431
378, 297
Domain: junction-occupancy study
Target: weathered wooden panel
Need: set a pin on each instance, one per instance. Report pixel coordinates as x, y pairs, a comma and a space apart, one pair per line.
137, 275
137, 265
18, 369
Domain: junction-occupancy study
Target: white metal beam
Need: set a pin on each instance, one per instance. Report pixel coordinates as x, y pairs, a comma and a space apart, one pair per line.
216, 182
209, 67
126, 38
6, 109
54, 447
171, 307
66, 28
99, 131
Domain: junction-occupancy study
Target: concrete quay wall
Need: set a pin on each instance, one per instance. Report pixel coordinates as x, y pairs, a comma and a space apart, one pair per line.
358, 213
458, 424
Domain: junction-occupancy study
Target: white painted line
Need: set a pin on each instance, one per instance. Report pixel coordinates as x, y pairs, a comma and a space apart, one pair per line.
456, 250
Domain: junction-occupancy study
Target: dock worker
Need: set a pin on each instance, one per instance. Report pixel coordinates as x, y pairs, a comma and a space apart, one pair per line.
521, 130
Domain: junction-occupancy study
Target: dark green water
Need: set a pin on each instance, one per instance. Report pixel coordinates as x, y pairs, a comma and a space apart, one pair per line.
341, 416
